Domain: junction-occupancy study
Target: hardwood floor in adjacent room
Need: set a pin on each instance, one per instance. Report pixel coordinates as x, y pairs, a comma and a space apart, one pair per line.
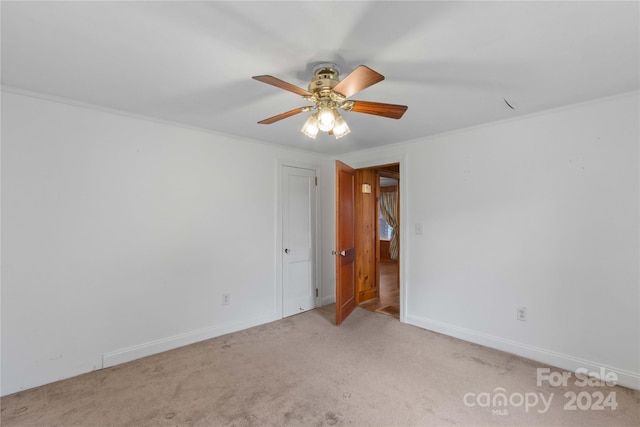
388, 302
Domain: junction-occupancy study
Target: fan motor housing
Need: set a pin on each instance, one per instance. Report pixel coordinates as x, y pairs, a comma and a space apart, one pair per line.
323, 81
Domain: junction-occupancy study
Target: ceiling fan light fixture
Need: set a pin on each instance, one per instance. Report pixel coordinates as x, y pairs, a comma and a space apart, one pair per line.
326, 118
341, 128
328, 92
310, 127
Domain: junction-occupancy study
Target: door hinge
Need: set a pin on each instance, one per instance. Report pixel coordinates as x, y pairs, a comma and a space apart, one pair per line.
316, 181
316, 292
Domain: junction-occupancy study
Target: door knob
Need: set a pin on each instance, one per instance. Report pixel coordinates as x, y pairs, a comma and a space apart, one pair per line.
286, 251
343, 253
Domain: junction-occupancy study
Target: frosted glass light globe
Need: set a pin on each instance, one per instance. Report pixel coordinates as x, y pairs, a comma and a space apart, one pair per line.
326, 119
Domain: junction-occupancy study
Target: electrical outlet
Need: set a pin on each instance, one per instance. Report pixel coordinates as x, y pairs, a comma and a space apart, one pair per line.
521, 314
226, 299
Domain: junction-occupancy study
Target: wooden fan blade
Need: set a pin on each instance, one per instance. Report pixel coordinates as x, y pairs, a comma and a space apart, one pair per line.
274, 81
392, 111
361, 78
283, 116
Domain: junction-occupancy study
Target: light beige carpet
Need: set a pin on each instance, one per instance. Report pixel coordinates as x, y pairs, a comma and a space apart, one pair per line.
304, 371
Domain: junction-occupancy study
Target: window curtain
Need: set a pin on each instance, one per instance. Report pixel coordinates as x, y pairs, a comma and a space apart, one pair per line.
389, 210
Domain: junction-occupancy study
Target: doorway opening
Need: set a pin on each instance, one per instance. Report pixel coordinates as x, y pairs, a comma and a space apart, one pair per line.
378, 239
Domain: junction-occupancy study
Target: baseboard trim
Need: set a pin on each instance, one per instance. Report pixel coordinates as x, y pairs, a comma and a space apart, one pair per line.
158, 346
563, 361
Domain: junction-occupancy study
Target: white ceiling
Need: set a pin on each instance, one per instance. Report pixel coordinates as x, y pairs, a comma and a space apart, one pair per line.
453, 63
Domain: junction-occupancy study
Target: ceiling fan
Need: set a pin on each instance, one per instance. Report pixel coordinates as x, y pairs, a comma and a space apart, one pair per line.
329, 94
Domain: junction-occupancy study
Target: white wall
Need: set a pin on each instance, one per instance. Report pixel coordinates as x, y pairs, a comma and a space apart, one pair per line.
119, 236
540, 212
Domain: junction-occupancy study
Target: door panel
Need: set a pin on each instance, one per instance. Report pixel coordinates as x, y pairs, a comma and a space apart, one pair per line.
298, 236
345, 241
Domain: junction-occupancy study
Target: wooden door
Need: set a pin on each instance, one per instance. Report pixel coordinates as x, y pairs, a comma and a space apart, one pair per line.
298, 237
345, 241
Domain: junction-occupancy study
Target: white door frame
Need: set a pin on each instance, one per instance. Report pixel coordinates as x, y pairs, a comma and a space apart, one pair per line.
279, 232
